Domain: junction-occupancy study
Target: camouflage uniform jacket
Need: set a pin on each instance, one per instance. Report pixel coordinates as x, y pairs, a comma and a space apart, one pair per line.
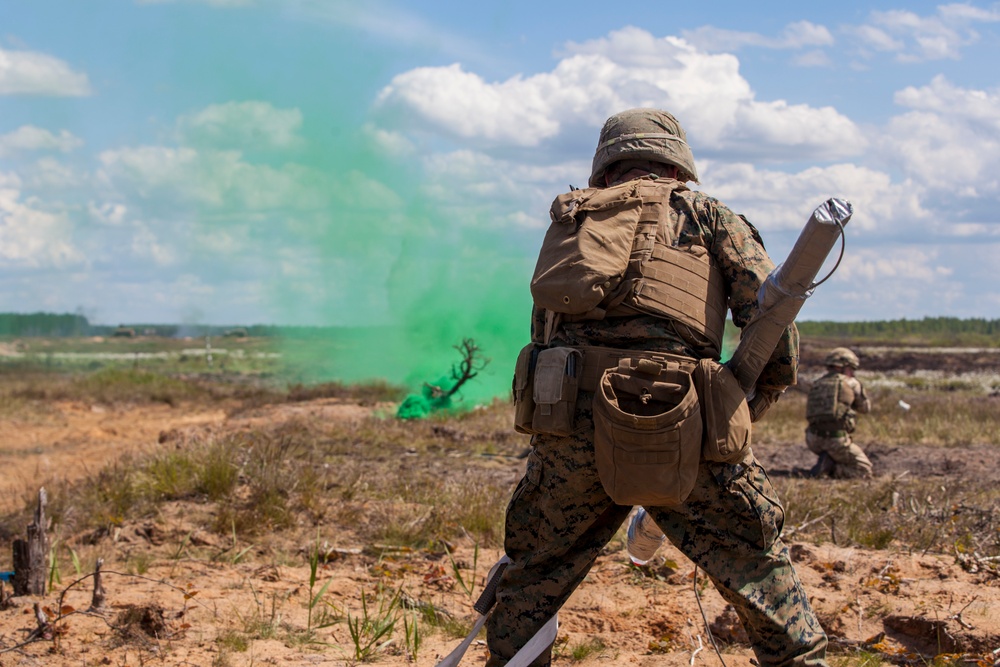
739, 252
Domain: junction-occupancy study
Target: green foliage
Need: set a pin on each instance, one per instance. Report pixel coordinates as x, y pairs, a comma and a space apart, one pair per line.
587, 648
372, 629
929, 331
43, 324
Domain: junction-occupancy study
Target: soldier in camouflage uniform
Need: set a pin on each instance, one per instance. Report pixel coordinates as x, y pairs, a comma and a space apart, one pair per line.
834, 402
560, 517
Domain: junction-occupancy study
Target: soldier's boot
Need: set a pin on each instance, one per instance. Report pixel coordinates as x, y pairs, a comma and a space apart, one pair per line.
824, 466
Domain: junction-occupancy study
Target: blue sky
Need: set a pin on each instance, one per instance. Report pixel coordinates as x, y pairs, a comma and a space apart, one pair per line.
326, 162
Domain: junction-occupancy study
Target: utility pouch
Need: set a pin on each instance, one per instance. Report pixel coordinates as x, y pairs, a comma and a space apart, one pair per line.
647, 433
522, 388
556, 385
724, 412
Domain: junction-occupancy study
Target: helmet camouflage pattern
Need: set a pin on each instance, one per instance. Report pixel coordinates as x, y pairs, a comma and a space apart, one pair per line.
643, 134
841, 356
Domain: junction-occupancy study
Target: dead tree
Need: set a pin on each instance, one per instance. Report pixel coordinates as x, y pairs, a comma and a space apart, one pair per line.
30, 555
472, 362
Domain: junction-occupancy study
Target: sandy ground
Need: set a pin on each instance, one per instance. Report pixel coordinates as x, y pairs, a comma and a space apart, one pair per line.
902, 604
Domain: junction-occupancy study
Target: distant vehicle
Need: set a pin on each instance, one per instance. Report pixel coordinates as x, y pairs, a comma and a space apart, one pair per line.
124, 332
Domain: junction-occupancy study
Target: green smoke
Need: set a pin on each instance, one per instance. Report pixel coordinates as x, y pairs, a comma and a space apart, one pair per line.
407, 279
329, 227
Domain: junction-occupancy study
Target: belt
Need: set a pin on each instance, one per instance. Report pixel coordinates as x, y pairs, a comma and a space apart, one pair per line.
596, 360
829, 434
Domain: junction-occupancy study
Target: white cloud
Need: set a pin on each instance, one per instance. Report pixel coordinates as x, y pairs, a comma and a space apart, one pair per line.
33, 238
950, 141
478, 187
904, 265
812, 59
33, 73
798, 35
31, 138
627, 68
210, 178
112, 214
916, 38
50, 175
146, 245
776, 200
245, 125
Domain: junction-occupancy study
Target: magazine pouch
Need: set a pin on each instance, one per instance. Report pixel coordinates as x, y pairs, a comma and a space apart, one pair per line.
647, 433
522, 387
556, 385
724, 412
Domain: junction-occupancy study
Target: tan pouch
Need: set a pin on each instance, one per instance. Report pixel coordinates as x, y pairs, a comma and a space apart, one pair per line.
556, 385
522, 388
724, 412
647, 433
586, 249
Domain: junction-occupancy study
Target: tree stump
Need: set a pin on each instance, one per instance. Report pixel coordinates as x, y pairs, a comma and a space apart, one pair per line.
31, 555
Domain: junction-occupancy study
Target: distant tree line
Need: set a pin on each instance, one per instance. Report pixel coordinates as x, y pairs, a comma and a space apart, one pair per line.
930, 330
935, 330
21, 325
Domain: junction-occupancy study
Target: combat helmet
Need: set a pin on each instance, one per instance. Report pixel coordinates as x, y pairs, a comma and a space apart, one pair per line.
841, 356
643, 134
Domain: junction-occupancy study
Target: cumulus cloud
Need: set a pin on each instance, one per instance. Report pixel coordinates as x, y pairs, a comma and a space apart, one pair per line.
629, 67
950, 138
31, 138
245, 125
31, 237
776, 200
34, 73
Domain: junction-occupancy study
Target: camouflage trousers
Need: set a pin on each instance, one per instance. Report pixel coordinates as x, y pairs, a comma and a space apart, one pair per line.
849, 459
559, 518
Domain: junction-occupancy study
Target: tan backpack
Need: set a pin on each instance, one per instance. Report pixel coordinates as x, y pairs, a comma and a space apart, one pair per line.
610, 252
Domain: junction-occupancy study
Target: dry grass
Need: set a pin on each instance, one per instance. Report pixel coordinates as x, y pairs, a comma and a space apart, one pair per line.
938, 415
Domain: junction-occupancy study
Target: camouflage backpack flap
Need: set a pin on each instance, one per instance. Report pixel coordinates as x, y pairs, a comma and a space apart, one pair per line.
828, 407
586, 249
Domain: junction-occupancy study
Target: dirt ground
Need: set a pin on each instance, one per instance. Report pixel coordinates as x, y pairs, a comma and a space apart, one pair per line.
903, 606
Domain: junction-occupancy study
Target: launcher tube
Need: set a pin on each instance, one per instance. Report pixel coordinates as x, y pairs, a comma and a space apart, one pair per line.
785, 290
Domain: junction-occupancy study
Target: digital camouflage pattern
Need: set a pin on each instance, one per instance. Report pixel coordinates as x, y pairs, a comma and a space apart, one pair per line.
560, 518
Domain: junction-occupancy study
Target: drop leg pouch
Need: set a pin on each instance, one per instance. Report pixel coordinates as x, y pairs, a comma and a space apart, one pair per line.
647, 433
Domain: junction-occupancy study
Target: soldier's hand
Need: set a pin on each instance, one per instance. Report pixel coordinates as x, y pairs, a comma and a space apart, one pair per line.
761, 401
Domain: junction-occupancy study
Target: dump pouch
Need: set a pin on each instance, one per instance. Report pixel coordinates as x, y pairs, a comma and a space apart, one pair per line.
522, 387
647, 433
556, 385
724, 412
